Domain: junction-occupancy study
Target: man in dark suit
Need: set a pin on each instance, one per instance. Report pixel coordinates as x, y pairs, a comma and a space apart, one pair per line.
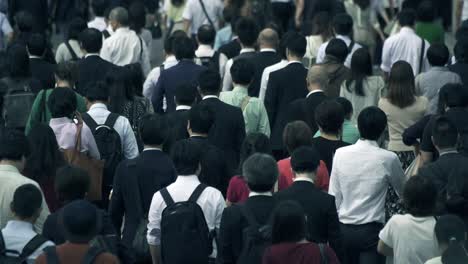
214, 170
268, 41
186, 71
185, 95
92, 68
136, 180
41, 69
285, 86
231, 49
228, 131
261, 172
322, 218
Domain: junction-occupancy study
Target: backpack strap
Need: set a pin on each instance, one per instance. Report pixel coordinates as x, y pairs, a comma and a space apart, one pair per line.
249, 216
421, 56
141, 48
105, 33
89, 121
2, 244
111, 119
51, 255
206, 13
32, 246
43, 106
70, 49
166, 197
323, 253
197, 192
91, 255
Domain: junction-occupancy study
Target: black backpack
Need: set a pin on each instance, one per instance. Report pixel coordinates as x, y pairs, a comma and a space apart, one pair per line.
108, 143
212, 62
91, 255
17, 102
255, 239
20, 258
185, 237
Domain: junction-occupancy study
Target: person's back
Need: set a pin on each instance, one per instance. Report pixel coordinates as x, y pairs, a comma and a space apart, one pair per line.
40, 68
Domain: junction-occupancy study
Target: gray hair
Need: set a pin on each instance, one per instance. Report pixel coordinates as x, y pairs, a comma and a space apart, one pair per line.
318, 75
268, 37
120, 15
261, 172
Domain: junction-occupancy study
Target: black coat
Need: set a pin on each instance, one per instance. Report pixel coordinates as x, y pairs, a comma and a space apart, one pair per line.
178, 123
231, 49
304, 109
43, 71
261, 60
92, 69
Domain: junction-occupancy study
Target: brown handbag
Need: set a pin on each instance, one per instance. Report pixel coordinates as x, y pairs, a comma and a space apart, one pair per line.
81, 160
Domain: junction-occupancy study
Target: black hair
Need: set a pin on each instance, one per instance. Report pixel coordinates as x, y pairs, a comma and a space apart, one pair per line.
27, 200
322, 26
185, 94
289, 223
62, 102
260, 172
154, 129
361, 68
254, 143
338, 49
24, 21
4, 71
247, 31
206, 35
346, 105
296, 134
452, 95
420, 195
183, 48
169, 42
66, 71
201, 119
407, 17
343, 24
97, 91
228, 13
450, 230
71, 183
329, 116
18, 61
121, 89
401, 85
37, 44
91, 40
283, 45
438, 55
372, 122
186, 157
99, 7
305, 159
75, 27
136, 78
209, 82
444, 133
426, 12
297, 45
137, 16
13, 144
242, 71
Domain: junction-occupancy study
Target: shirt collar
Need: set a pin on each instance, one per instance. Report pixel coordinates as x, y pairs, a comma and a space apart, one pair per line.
251, 194
407, 30
291, 62
203, 47
9, 168
183, 107
91, 54
122, 30
314, 91
150, 149
368, 143
240, 89
438, 68
98, 106
19, 225
34, 57
303, 180
245, 50
187, 178
170, 58
60, 120
209, 96
267, 50
343, 37
447, 152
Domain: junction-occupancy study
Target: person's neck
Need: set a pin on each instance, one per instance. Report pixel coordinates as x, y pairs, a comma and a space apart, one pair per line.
294, 58
329, 136
13, 163
63, 84
152, 146
314, 87
246, 47
305, 176
443, 150
195, 134
266, 47
30, 220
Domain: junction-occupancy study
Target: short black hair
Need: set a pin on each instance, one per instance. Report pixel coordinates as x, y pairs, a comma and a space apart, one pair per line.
295, 135
97, 91
75, 27
186, 157
66, 71
27, 200
338, 49
154, 129
346, 105
71, 183
184, 48
444, 133
305, 159
201, 119
420, 195
329, 116
185, 94
261, 172
91, 40
81, 221
13, 144
62, 102
426, 11
247, 31
297, 44
209, 82
407, 17
99, 7
169, 42
242, 71
283, 45
452, 95
372, 122
206, 35
288, 223
343, 24
438, 55
24, 21
37, 44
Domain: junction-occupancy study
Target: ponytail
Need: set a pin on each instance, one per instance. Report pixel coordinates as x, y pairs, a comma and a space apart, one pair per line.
455, 253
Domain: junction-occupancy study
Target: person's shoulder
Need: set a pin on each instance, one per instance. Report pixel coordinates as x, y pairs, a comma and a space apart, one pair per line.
106, 258
436, 260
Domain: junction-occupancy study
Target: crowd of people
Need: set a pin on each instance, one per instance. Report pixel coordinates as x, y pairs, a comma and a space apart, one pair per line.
274, 131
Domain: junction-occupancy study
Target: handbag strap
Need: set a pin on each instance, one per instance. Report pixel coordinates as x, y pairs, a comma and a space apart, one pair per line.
421, 56
79, 128
206, 13
72, 52
323, 253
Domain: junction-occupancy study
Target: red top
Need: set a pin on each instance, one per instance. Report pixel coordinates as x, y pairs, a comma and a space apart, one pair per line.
297, 253
286, 176
237, 190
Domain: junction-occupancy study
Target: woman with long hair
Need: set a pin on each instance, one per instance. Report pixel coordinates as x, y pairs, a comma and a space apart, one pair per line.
321, 32
137, 18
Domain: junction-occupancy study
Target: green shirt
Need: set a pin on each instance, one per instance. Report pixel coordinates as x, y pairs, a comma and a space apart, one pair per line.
432, 32
36, 111
350, 132
255, 114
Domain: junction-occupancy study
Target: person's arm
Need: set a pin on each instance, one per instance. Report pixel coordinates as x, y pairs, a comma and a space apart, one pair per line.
264, 125
386, 59
427, 146
116, 206
106, 51
130, 144
222, 64
227, 80
271, 101
334, 187
386, 238
155, 253
187, 16
225, 241
384, 249
154, 227
320, 54
426, 157
396, 176
263, 85
158, 95
459, 12
39, 224
334, 232
413, 133
299, 13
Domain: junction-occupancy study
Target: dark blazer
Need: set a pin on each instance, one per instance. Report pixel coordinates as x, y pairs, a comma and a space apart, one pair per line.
261, 60
304, 109
185, 71
233, 223
43, 71
92, 69
322, 217
284, 86
146, 174
177, 121
231, 49
228, 130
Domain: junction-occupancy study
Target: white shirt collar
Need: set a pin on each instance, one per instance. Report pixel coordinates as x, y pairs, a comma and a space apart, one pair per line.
187, 178
303, 179
251, 194
291, 62
314, 91
149, 149
343, 37
209, 96
203, 47
122, 30
91, 54
267, 50
183, 107
407, 30
98, 106
245, 50
34, 57
18, 225
366, 142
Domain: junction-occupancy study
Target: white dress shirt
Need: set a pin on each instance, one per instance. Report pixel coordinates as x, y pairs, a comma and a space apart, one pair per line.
122, 126
125, 47
321, 52
17, 234
194, 13
98, 23
266, 76
206, 51
211, 202
359, 180
406, 46
227, 80
153, 77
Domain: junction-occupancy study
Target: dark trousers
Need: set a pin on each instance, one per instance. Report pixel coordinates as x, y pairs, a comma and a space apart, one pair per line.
283, 14
360, 243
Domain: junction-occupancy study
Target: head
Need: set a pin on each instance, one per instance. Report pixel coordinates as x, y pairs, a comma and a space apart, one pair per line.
120, 88
209, 83
337, 49
137, 16
426, 12
154, 130
24, 21
343, 24
268, 39
372, 122
37, 45
317, 78
401, 86
347, 107
289, 223
71, 183
136, 79
14, 147
438, 55
185, 155
461, 50
62, 103
27, 203
206, 35
283, 45
169, 42
183, 48
185, 94
81, 221
305, 162
420, 195
247, 31
242, 72
361, 68
296, 134
254, 143
444, 134
91, 40
118, 18
329, 116
75, 27
450, 232
406, 18
260, 172
18, 61
65, 74
452, 95
97, 92
296, 46
322, 25
200, 121
99, 7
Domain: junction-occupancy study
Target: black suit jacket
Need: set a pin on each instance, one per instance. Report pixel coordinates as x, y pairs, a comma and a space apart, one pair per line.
146, 174
304, 109
284, 86
92, 69
322, 217
233, 223
43, 71
178, 123
261, 60
228, 130
231, 49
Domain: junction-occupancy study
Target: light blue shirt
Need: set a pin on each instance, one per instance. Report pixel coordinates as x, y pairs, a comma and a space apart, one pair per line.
224, 36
